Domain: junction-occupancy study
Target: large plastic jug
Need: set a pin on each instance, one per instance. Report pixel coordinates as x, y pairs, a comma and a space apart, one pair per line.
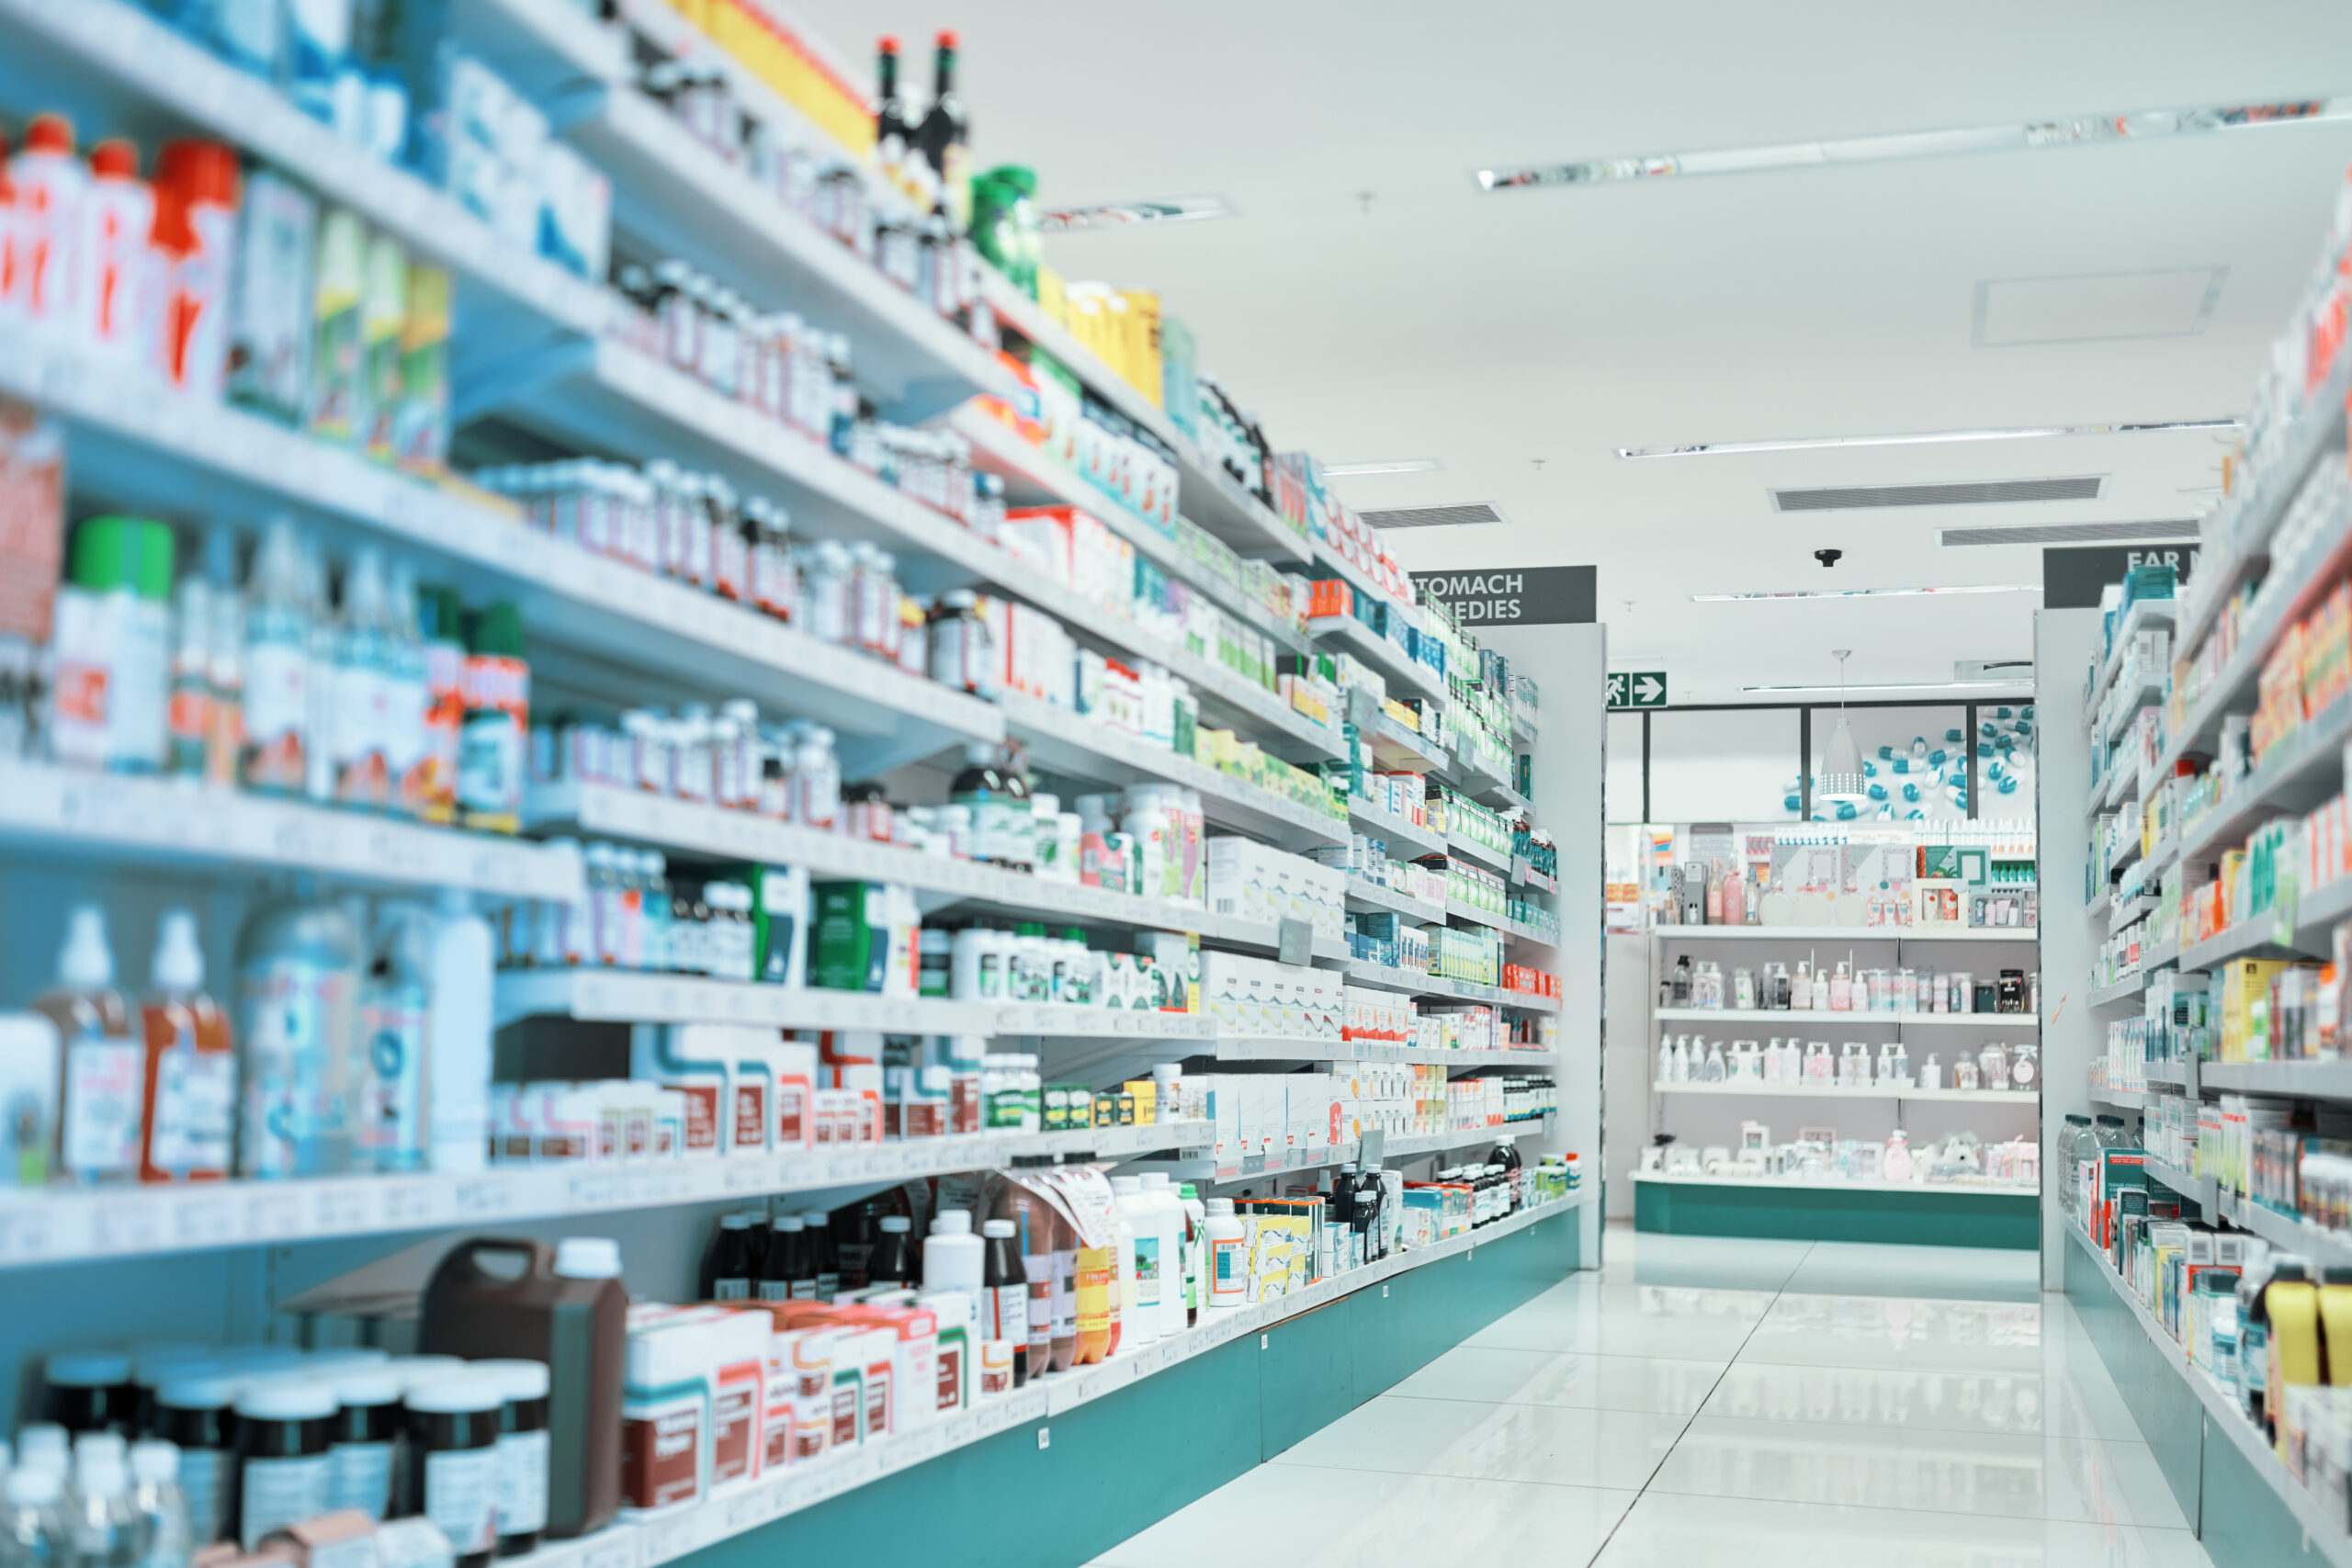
564, 1306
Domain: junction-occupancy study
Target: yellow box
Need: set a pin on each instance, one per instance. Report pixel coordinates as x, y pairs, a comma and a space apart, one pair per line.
1146, 1094
2245, 1001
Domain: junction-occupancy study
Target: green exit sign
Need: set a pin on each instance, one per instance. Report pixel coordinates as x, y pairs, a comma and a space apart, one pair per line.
1637, 688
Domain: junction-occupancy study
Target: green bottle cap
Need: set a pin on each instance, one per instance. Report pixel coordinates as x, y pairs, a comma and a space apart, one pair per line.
123, 552
497, 632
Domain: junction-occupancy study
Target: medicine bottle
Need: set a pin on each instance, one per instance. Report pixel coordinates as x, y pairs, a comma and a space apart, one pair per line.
283, 1431
453, 1462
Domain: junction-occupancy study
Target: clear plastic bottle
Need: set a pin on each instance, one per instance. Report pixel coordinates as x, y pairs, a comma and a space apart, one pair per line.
297, 988
99, 1519
2074, 1145
394, 998
159, 1507
32, 1523
276, 739
101, 1087
406, 689
191, 1114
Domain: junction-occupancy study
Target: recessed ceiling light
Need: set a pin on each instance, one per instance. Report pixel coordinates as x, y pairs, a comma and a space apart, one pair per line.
2076, 130
1393, 465
1893, 686
1867, 593
1923, 438
1128, 214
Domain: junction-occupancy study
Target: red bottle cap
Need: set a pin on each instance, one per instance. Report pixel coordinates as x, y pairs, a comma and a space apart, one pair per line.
889, 44
49, 133
115, 159
947, 38
199, 172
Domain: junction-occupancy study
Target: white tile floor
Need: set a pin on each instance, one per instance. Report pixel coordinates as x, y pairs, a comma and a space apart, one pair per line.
1703, 1402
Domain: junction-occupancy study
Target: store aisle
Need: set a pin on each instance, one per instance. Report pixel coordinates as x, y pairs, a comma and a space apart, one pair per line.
1704, 1401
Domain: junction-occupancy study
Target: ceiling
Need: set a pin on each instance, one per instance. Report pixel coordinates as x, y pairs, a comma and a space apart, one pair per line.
1521, 338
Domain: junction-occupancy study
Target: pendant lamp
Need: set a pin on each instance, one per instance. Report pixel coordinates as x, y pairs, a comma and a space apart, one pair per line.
1841, 761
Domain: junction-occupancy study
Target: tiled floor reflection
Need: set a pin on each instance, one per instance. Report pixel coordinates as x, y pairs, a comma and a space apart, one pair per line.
1703, 1402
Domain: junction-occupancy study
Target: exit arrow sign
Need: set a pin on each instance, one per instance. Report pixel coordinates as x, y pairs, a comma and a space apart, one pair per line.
1637, 688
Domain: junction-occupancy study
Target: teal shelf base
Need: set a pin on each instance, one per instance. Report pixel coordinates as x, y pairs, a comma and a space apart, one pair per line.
1120, 1462
1825, 1213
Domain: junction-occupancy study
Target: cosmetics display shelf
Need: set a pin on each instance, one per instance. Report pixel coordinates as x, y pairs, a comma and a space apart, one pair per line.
2311, 1080
2291, 590
84, 816
156, 447
674, 189
2142, 613
1291, 1048
2004, 1022
1033, 478
1846, 933
2130, 985
602, 811
57, 1225
2321, 1530
1387, 978
2258, 509
1205, 493
613, 397
1203, 1167
1841, 1184
2290, 1233
1060, 741
2148, 692
2199, 1189
1396, 666
1747, 1088
1362, 895
1523, 874
622, 996
2304, 769
1479, 853
1406, 841
665, 1538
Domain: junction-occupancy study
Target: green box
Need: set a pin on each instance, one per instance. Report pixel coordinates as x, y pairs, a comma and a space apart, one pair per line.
853, 933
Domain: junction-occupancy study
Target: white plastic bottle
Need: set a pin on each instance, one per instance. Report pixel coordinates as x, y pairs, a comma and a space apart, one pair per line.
1226, 1265
952, 1257
51, 189
99, 1520
32, 1524
456, 1076
1138, 1320
395, 1004
103, 1085
360, 698
297, 991
119, 307
1159, 1247
405, 696
277, 667
159, 1505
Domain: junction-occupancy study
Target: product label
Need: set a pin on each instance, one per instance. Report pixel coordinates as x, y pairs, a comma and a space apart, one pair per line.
390, 1135
1005, 1313
275, 1493
849, 1395
734, 1429
661, 1457
293, 1007
105, 1083
1098, 1273
1228, 1270
738, 1290
950, 1383
277, 700
1065, 1318
522, 1482
1147, 1271
205, 1474
751, 1130
445, 716
194, 1119
702, 1115
359, 1475
461, 1497
777, 1418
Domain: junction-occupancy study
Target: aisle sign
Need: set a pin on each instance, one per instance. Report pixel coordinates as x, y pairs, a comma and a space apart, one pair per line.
1513, 596
2073, 576
1637, 688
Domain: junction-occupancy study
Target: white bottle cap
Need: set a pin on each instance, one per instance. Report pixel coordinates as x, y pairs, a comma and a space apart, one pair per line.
36, 1487
460, 1394
588, 1258
155, 1463
1125, 1186
516, 1378
41, 1445
87, 1368
1001, 1229
286, 1399
896, 1225
1220, 1206
953, 1221
179, 961
1154, 1181
368, 1386
85, 963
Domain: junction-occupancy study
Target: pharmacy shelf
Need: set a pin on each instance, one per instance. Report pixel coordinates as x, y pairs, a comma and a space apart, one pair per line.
1494, 789
60, 1225
604, 811
1406, 840
1846, 933
2128, 1099
2310, 1080
2160, 955
1522, 874
1520, 931
2131, 912
2146, 693
1060, 741
1840, 1184
2141, 615
118, 66
1750, 1089
1407, 676
1478, 852
543, 49
2006, 1021
1256, 1168
2299, 771
1491, 919
1393, 748
158, 450
1328, 563
621, 995
2125, 853
2255, 938
684, 199
2124, 990
2202, 1190
1362, 895
2102, 903
2322, 1527
2292, 1233
50, 811
2160, 859
1289, 1048
1032, 478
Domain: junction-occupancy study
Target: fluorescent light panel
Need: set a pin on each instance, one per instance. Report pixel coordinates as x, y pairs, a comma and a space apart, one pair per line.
2150, 125
1393, 465
1130, 214
1922, 438
1867, 592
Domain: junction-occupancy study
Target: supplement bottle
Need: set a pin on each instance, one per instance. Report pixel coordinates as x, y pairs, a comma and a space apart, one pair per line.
495, 744
102, 1066
190, 1111
1138, 1315
1004, 1294
1195, 1252
892, 1260
90, 1391
457, 1078
360, 1443
283, 1469
159, 1509
824, 1263
193, 1413
785, 1272
728, 1275
390, 1134
955, 1259
1226, 1263
524, 1444
452, 1430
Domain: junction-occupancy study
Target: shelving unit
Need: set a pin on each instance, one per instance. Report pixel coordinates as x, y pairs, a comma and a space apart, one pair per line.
1846, 933
1753, 1088
1993, 1020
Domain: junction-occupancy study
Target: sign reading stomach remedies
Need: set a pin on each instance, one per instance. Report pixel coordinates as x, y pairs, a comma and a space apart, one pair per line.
1513, 596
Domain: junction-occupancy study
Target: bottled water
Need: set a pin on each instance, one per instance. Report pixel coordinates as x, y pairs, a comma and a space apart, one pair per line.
160, 1509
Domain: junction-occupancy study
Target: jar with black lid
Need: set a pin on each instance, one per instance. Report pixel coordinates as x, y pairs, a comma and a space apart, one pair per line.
91, 1391
453, 1461
282, 1435
196, 1413
523, 1448
365, 1434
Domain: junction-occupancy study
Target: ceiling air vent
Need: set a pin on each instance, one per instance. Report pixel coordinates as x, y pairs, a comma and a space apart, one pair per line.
1462, 515
2020, 670
2073, 534
1991, 494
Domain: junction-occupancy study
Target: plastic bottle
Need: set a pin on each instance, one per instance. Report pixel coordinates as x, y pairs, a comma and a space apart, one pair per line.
359, 704
32, 1526
48, 224
1188, 1199
1507, 1157
824, 1264
188, 720
111, 648
196, 202
277, 741
298, 994
189, 1114
457, 1064
159, 1510
388, 1133
101, 1085
118, 288
1004, 1293
726, 1276
952, 1257
785, 1274
1035, 1235
892, 1260
1161, 1252
1225, 1262
495, 744
406, 697
980, 787
1139, 1317
99, 1517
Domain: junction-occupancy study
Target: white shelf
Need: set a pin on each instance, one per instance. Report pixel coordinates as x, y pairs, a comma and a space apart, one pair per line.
2004, 1021
1520, 931
1330, 561
2322, 1527
1491, 919
1392, 747
1287, 1048
2311, 1080
1383, 978
65, 1224
604, 811
1064, 742
1746, 1089
1524, 875
1416, 840
1366, 895
2291, 1232
1473, 850
1256, 1168
2123, 990
1406, 675
624, 996
1836, 1184
2129, 1099
47, 810
1845, 933
2299, 771
2202, 1190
